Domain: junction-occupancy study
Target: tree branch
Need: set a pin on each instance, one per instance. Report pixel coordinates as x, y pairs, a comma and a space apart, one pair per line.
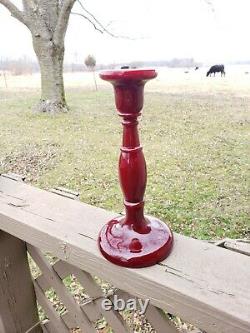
15, 12
97, 24
26, 4
30, 5
88, 19
210, 4
92, 16
63, 20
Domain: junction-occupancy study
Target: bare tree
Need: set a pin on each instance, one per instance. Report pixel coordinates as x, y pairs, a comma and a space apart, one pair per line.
47, 21
90, 63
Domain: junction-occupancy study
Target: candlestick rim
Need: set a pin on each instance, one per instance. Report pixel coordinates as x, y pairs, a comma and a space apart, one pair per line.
128, 75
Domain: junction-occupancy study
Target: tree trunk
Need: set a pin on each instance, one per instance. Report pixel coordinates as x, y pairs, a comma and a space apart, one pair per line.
94, 79
50, 58
47, 21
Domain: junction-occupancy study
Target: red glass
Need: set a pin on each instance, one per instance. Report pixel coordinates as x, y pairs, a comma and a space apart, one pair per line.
134, 240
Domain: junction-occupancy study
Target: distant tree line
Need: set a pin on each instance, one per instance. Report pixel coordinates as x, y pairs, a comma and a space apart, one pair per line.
173, 63
20, 66
25, 65
241, 62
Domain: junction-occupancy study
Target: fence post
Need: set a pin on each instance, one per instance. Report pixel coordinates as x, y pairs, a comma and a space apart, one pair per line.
18, 309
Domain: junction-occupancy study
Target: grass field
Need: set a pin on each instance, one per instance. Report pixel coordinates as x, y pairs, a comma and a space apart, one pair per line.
195, 134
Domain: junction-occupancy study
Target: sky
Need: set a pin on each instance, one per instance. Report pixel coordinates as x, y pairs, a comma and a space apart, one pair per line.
209, 31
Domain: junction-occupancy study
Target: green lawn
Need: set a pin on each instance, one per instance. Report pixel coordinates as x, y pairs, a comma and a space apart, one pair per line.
196, 148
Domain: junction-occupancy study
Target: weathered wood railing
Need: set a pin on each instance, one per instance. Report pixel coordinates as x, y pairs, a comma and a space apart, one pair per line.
204, 285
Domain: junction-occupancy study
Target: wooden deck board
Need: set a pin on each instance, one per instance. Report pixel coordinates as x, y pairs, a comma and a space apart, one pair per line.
238, 246
201, 283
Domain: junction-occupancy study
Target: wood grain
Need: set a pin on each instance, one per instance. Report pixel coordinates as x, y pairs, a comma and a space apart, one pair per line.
205, 285
238, 246
16, 316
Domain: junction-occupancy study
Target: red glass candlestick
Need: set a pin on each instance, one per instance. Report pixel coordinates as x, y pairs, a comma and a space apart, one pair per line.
133, 240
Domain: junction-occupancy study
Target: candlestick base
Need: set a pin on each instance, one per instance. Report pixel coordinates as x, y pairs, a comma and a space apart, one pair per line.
123, 246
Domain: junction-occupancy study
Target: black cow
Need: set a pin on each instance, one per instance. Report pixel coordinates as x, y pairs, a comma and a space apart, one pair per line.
216, 69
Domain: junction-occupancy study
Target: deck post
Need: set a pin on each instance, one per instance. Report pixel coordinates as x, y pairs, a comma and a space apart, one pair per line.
18, 309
